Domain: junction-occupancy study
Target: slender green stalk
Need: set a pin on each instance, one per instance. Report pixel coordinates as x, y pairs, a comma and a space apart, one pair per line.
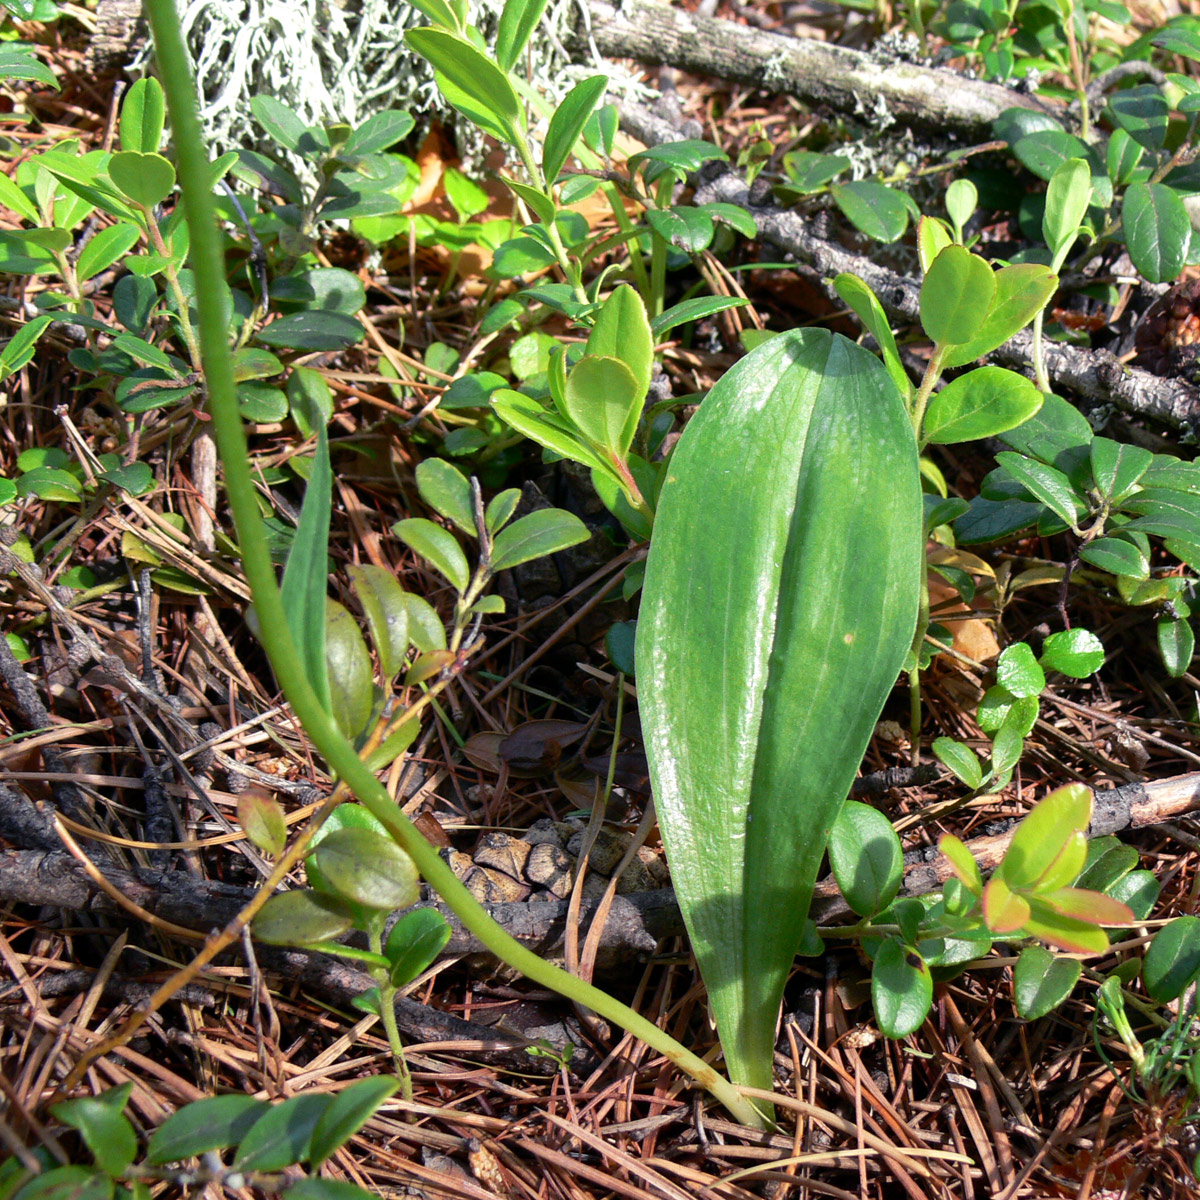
914, 676
933, 372
1039, 360
161, 248
636, 260
539, 181
1078, 75
387, 1013
277, 640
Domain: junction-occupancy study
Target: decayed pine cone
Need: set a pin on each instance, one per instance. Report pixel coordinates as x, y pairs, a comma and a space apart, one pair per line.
1168, 338
542, 863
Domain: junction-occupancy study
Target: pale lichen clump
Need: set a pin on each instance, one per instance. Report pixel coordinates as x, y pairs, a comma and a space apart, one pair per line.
344, 60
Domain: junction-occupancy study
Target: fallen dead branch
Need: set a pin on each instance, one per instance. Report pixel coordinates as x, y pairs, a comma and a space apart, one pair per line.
636, 923
881, 93
1093, 374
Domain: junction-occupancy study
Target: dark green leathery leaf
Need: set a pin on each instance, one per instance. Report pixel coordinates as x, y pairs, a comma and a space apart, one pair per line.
780, 599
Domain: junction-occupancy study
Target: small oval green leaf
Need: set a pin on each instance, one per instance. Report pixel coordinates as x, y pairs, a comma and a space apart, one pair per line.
438, 547
874, 208
1022, 291
448, 492
414, 942
955, 296
105, 1129
146, 179
1117, 557
1067, 199
478, 87
348, 669
347, 1113
567, 123
982, 403
603, 400
386, 609
866, 858
901, 989
104, 249
1018, 671
1045, 834
143, 114
214, 1123
1173, 959
518, 20
1076, 653
300, 918
961, 759
1176, 644
544, 532
282, 1137
1157, 230
622, 331
1042, 981
368, 868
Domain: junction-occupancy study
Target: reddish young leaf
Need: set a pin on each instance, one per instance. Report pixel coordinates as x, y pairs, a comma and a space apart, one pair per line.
962, 863
1042, 836
1064, 933
1003, 910
1083, 904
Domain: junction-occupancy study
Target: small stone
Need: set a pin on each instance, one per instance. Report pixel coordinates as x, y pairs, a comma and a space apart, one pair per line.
655, 865
594, 887
458, 862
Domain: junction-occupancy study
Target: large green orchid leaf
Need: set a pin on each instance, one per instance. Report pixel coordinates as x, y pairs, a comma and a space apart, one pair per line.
780, 599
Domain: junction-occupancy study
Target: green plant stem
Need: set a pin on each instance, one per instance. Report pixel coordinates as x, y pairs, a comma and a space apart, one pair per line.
658, 277
67, 270
387, 1012
1039, 362
933, 372
185, 321
914, 676
637, 261
632, 492
276, 638
560, 251
1079, 75
918, 22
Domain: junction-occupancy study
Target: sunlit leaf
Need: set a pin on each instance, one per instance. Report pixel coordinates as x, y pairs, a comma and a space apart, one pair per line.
758, 707
979, 404
901, 989
368, 868
1042, 981
1041, 837
866, 858
414, 942
438, 546
955, 296
546, 531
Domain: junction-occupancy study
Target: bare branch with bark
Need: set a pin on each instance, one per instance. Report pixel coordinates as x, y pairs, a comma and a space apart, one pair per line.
815, 72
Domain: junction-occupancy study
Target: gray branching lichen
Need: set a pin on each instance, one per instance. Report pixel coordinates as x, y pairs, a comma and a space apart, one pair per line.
344, 60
